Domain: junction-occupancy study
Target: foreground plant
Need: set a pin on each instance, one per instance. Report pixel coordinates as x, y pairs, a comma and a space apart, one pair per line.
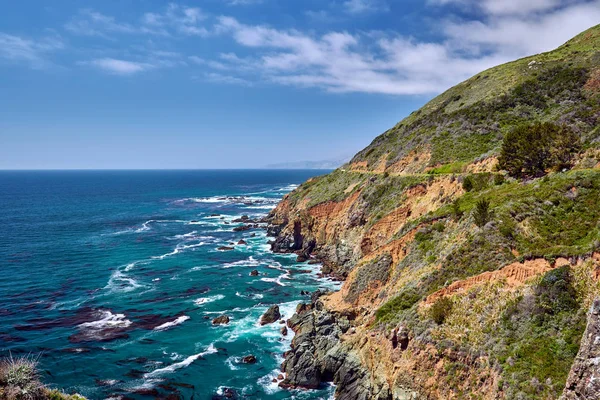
20, 380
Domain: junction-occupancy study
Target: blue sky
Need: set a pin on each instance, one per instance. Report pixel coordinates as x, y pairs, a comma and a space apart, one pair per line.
243, 83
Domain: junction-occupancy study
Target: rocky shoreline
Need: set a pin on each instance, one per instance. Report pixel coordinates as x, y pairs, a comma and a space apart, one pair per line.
318, 353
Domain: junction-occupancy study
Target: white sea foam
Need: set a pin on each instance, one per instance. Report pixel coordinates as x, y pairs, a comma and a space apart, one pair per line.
277, 280
167, 325
249, 262
178, 249
288, 188
182, 364
107, 320
232, 361
253, 296
205, 300
189, 235
119, 282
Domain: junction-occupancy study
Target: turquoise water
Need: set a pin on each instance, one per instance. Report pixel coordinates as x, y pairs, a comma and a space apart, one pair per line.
114, 277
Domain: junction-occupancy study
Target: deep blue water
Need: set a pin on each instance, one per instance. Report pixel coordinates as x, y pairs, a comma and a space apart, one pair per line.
114, 277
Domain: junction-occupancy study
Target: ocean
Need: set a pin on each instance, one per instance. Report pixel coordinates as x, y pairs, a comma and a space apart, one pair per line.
112, 279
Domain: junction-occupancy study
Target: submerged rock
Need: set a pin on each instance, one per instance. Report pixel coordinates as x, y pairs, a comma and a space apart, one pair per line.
254, 272
225, 248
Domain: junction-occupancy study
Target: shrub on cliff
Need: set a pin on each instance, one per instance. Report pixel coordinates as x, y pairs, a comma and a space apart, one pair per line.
530, 150
440, 310
403, 301
20, 380
482, 213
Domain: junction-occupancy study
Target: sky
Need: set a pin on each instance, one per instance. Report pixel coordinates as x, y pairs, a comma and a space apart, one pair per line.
243, 83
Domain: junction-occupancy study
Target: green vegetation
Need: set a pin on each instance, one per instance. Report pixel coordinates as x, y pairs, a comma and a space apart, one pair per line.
482, 213
541, 334
20, 380
440, 310
404, 301
530, 150
470, 120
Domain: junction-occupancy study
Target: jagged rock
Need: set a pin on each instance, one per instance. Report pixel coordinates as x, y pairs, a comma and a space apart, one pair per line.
318, 356
583, 382
221, 320
284, 331
270, 316
242, 242
254, 272
249, 359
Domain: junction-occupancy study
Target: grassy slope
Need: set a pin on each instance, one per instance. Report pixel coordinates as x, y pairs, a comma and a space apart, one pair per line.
468, 120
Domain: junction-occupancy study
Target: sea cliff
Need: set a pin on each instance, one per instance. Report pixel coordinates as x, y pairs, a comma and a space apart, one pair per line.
468, 239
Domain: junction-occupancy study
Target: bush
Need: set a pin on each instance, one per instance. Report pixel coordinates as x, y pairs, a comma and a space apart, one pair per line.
403, 301
467, 184
482, 213
440, 310
20, 379
529, 150
498, 179
456, 211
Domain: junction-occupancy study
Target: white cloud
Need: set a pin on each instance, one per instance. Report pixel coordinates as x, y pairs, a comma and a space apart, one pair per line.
376, 62
517, 36
175, 19
93, 23
362, 6
226, 79
119, 67
184, 20
16, 49
243, 2
510, 7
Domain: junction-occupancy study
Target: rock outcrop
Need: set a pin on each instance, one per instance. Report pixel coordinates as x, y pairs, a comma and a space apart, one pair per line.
270, 316
583, 382
318, 356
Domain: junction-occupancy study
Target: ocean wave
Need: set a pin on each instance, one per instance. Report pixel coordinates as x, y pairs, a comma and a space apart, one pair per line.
182, 364
178, 249
253, 296
288, 188
106, 320
241, 199
167, 325
232, 361
205, 300
278, 279
249, 262
107, 326
189, 235
145, 226
119, 282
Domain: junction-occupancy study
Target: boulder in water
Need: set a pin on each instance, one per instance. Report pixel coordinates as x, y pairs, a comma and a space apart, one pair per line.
270, 316
221, 320
249, 359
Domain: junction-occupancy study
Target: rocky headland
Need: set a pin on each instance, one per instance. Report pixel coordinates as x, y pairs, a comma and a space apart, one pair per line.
468, 240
